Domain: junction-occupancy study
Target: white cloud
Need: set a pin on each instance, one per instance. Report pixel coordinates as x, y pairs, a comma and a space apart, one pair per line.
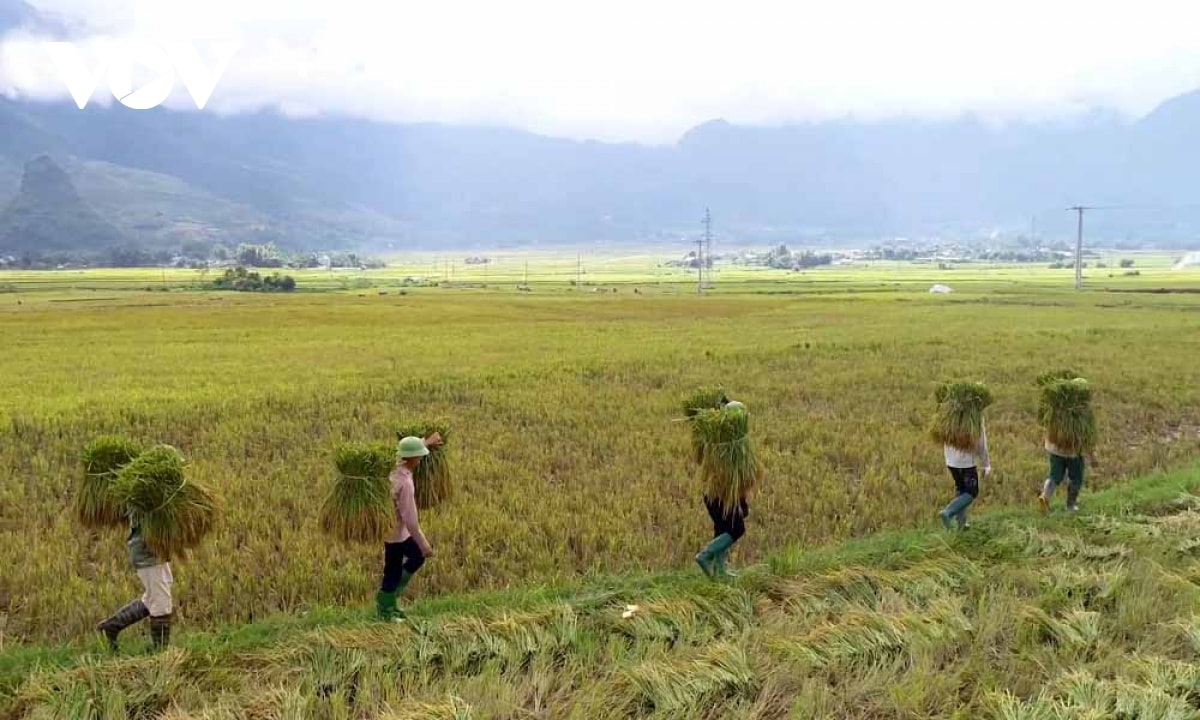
649, 70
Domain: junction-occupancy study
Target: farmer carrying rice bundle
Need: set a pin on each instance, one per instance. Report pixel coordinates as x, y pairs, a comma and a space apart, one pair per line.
958, 425
729, 472
405, 550
1065, 411
168, 516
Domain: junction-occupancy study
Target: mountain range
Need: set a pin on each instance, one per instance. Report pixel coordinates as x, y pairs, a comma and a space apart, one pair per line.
159, 177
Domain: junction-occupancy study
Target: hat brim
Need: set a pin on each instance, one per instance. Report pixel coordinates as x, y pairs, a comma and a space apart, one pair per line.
414, 454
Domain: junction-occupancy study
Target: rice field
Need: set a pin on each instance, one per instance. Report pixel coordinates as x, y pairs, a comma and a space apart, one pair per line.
1025, 617
568, 454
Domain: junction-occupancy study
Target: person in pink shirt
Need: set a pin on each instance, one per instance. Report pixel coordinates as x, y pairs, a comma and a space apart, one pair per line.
406, 549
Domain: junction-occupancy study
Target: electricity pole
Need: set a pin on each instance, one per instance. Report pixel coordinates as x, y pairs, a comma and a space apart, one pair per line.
700, 266
1079, 209
708, 244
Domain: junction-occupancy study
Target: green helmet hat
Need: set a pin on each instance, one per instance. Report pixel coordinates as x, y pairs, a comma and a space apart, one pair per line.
735, 405
412, 447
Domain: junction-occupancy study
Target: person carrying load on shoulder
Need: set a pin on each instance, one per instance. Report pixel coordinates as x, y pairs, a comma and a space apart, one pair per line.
406, 549
730, 473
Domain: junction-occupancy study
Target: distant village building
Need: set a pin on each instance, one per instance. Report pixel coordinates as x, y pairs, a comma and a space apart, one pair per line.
1192, 259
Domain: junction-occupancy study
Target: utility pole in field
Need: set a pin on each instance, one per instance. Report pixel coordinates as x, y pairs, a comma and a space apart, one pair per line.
708, 262
1079, 209
700, 266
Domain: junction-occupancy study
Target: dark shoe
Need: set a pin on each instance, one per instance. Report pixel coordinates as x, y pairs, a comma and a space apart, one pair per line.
132, 613
160, 631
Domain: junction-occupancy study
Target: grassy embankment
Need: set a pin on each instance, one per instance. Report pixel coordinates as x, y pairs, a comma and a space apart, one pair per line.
1023, 616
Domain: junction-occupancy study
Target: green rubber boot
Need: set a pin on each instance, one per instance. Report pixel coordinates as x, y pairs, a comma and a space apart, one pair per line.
405, 578
719, 564
708, 557
385, 606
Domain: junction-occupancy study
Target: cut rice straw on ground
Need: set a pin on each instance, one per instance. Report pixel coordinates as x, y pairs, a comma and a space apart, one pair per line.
174, 513
359, 507
93, 501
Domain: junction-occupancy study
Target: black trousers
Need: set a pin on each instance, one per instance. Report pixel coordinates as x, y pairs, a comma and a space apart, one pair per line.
727, 523
399, 558
966, 481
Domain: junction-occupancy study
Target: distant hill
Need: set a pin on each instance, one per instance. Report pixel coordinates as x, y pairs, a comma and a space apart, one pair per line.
341, 182
49, 215
15, 14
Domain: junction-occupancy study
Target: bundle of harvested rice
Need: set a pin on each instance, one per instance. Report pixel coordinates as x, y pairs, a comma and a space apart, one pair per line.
1055, 375
432, 478
958, 420
705, 398
1066, 413
729, 469
1049, 378
94, 504
173, 512
359, 507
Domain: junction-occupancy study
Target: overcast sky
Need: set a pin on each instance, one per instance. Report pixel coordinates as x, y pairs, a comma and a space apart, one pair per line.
647, 70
